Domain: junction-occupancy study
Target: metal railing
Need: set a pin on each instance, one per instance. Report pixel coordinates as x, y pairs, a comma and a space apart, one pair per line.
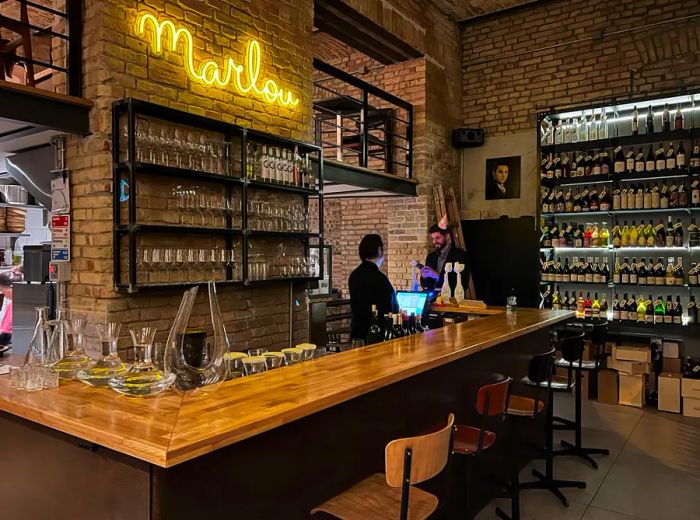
25, 23
360, 124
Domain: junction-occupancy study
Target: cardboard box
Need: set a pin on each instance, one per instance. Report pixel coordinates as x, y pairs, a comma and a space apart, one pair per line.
690, 388
691, 407
669, 392
632, 353
608, 387
670, 349
629, 367
673, 365
632, 390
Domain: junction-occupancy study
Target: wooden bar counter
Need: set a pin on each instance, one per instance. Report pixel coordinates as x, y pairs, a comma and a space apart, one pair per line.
266, 446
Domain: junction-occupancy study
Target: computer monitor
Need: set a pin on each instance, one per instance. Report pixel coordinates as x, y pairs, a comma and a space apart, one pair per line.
412, 301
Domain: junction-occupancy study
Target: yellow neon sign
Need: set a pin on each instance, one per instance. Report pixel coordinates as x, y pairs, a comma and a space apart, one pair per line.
245, 78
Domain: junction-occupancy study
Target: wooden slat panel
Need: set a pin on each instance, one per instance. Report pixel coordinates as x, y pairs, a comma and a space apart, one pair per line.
176, 427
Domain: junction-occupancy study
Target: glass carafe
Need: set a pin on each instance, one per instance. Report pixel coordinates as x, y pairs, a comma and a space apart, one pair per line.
69, 335
143, 378
37, 353
109, 364
195, 356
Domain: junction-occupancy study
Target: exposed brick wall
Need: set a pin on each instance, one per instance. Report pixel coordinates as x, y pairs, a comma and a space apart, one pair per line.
520, 63
117, 64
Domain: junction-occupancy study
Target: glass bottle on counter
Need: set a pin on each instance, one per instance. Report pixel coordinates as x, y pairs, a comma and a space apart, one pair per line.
74, 358
374, 333
109, 364
398, 331
388, 326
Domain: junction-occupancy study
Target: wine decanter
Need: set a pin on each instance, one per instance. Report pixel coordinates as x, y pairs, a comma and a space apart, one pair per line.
37, 354
70, 338
459, 289
446, 292
109, 364
143, 378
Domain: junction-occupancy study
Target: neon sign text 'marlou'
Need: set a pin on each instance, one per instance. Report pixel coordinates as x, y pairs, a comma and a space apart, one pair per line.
245, 79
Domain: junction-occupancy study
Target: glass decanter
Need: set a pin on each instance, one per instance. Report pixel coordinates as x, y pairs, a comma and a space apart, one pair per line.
71, 328
109, 364
194, 357
143, 378
38, 350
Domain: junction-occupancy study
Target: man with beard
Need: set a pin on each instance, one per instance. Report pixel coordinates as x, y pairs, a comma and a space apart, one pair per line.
433, 272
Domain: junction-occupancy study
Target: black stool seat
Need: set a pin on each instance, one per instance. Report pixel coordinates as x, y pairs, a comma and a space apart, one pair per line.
559, 383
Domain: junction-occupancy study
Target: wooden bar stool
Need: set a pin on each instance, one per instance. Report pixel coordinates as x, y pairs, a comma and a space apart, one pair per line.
408, 461
491, 401
596, 332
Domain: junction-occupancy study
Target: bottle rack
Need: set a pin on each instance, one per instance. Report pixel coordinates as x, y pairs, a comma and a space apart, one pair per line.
236, 176
620, 134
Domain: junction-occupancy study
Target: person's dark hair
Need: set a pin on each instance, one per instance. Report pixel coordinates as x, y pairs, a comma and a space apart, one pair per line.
5, 281
497, 164
437, 229
369, 246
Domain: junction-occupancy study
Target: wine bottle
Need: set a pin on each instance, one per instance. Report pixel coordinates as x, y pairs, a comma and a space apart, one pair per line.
663, 198
566, 272
670, 158
375, 333
647, 198
603, 307
695, 157
580, 313
633, 278
670, 277
680, 157
616, 308
678, 234
634, 234
605, 271
597, 165
692, 311
621, 164
678, 121
666, 119
639, 164
641, 310
388, 326
670, 232
587, 306
625, 272
595, 307
660, 272
398, 331
650, 164
650, 121
679, 273
642, 272
556, 301
558, 168
660, 159
603, 127
623, 308
635, 121
695, 193
649, 316
677, 318
606, 165
660, 311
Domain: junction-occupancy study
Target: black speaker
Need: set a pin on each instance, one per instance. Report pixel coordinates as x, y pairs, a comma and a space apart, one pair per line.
467, 137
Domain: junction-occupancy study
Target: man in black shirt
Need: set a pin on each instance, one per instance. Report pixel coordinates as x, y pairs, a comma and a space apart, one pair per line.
369, 286
433, 273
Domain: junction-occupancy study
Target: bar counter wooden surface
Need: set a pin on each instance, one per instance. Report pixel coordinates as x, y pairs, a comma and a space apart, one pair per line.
176, 426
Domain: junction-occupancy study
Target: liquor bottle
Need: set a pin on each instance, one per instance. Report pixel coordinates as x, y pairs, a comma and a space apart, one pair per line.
633, 275
670, 158
650, 121
587, 306
660, 159
695, 193
557, 166
695, 157
669, 277
595, 307
663, 197
677, 312
642, 272
668, 311
650, 164
625, 272
630, 198
616, 236
398, 331
566, 272
639, 198
650, 235
629, 161
596, 169
412, 327
673, 196
388, 326
405, 324
655, 197
693, 234
682, 196
620, 165
623, 308
595, 267
647, 198
693, 276
580, 313
670, 232
617, 273
594, 201
649, 316
558, 271
679, 272
593, 128
680, 157
567, 131
616, 308
583, 129
580, 165
635, 121
641, 310
678, 121
606, 165
692, 311
375, 333
666, 119
678, 234
633, 234
604, 307
660, 234
604, 234
659, 311
605, 271
588, 271
595, 236
639, 164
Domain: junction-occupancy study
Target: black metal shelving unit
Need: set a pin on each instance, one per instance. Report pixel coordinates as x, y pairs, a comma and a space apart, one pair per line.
620, 134
234, 136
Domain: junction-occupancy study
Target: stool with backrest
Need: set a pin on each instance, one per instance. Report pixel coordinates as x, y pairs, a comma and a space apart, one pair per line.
571, 345
491, 401
595, 332
408, 461
529, 407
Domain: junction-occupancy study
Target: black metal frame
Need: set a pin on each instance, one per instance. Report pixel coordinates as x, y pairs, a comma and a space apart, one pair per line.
130, 108
368, 89
74, 16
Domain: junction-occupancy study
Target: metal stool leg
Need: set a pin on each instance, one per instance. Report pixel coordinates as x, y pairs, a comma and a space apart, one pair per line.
514, 485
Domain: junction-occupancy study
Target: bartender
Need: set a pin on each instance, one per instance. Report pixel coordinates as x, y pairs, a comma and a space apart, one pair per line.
433, 272
6, 319
369, 286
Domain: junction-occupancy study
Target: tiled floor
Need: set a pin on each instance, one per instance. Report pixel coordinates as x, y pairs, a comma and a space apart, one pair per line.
652, 473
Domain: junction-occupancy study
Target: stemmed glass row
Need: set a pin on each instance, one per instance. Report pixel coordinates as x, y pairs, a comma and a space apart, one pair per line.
173, 265
265, 216
205, 207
